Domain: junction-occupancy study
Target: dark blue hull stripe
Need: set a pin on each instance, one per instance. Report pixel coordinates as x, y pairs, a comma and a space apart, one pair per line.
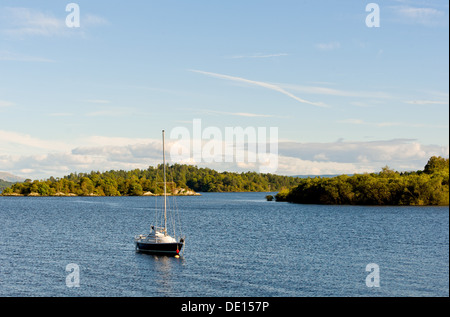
161, 248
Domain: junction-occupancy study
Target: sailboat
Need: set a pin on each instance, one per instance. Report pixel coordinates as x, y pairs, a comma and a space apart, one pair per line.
158, 241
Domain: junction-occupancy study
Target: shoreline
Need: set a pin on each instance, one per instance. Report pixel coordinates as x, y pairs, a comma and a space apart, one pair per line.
74, 195
198, 194
143, 195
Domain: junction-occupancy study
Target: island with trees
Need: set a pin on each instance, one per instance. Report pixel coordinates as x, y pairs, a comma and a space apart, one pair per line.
184, 180
429, 187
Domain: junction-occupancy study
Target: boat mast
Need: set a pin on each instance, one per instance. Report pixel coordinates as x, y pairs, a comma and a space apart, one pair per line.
165, 190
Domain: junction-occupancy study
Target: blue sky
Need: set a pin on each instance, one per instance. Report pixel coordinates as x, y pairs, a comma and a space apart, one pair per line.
345, 97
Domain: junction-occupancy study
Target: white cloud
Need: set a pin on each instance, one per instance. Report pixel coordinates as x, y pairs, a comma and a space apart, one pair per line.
259, 55
55, 164
427, 102
4, 103
38, 158
297, 166
421, 15
316, 90
392, 124
26, 21
361, 104
20, 143
32, 157
93, 20
23, 22
321, 157
366, 155
328, 46
261, 84
93, 141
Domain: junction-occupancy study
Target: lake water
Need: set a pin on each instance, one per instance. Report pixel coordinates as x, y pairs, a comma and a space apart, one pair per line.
237, 245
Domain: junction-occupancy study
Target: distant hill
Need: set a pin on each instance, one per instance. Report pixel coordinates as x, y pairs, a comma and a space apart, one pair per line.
4, 184
10, 177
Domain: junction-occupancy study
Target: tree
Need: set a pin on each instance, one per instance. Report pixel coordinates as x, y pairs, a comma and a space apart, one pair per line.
436, 164
43, 189
86, 186
428, 187
135, 189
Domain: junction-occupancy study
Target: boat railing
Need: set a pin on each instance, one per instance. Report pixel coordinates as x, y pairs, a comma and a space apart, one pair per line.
140, 236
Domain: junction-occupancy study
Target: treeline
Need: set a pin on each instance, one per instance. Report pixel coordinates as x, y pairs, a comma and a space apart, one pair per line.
137, 182
421, 188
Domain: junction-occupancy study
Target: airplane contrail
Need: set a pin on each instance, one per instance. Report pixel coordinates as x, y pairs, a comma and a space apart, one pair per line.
261, 84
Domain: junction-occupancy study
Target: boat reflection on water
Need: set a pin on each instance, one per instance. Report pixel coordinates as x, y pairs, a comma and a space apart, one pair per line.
160, 270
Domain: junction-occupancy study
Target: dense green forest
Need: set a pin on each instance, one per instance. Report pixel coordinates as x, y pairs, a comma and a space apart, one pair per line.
427, 187
139, 182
